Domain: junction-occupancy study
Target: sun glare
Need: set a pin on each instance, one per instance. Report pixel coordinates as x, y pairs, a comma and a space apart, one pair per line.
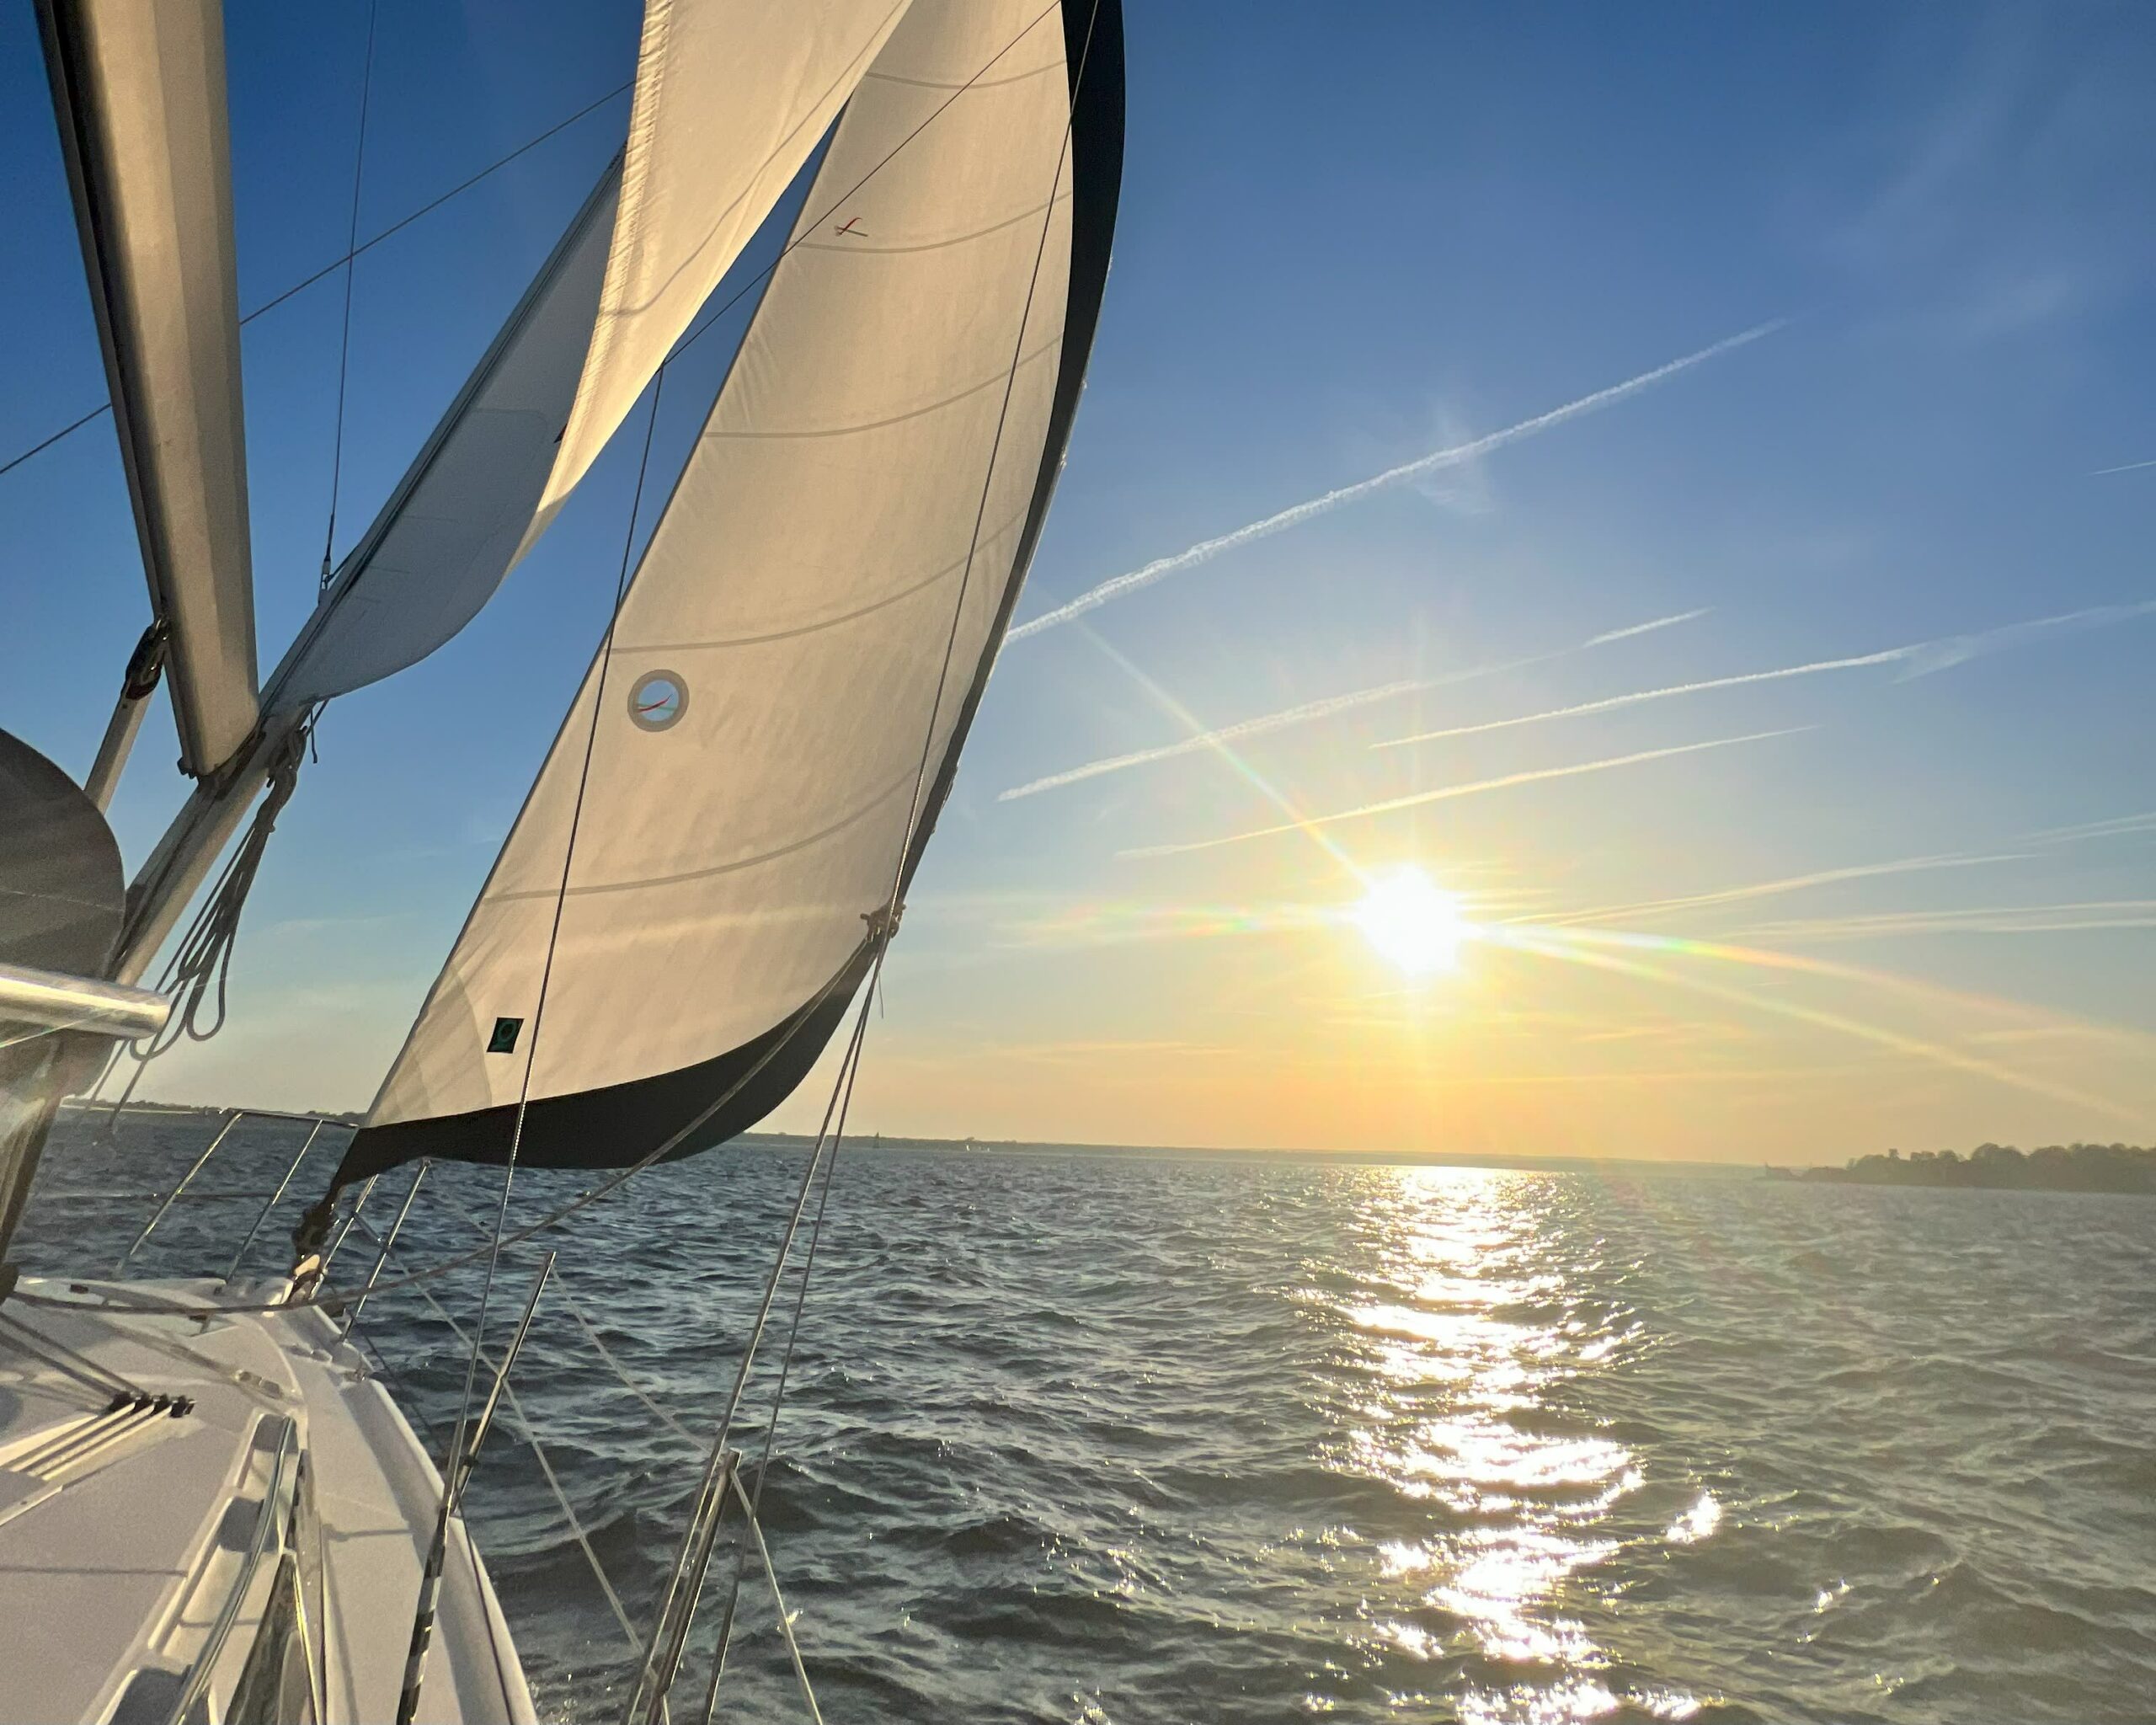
1412, 922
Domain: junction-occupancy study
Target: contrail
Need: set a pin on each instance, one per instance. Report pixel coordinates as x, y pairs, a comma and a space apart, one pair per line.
1474, 789
2085, 916
1207, 549
2122, 826
1923, 657
1929, 656
1634, 699
1308, 711
2129, 467
1313, 710
1660, 623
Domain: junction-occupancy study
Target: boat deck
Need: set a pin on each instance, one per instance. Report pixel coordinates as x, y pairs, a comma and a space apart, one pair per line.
143, 1545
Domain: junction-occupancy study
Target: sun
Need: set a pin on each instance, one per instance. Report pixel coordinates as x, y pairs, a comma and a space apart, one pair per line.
1412, 922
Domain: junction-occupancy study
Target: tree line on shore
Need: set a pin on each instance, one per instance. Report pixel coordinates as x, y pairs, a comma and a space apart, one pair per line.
2054, 1167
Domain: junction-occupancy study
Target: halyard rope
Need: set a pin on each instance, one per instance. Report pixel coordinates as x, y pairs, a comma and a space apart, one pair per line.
351, 269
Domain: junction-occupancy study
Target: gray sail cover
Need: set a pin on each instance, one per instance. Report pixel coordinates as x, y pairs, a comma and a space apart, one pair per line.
758, 754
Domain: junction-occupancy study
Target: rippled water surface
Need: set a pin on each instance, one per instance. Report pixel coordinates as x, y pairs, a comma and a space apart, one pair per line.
1075, 1437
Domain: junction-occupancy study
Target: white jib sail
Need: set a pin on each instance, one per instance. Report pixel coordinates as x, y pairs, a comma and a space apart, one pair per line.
448, 534
757, 729
731, 97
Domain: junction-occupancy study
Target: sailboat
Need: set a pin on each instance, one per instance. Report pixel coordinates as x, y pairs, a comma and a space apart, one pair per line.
211, 1509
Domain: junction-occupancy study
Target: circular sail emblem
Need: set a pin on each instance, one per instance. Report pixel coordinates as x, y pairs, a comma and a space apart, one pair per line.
657, 701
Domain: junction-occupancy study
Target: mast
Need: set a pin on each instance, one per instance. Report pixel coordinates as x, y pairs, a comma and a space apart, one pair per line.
437, 551
138, 88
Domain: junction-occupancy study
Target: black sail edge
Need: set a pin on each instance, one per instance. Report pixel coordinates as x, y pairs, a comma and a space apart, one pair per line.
709, 1101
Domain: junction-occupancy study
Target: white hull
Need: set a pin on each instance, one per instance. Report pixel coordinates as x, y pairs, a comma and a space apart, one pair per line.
290, 1504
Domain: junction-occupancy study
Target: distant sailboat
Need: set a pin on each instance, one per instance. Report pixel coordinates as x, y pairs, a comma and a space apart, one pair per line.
209, 1509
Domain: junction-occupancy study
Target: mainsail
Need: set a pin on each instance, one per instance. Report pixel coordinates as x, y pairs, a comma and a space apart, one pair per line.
751, 769
730, 100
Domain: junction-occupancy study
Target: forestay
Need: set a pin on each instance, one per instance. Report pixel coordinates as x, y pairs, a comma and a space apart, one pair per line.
776, 717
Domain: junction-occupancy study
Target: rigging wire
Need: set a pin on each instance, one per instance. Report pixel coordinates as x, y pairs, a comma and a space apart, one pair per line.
701, 1531
203, 959
621, 1372
753, 1502
354, 253
883, 927
108, 1300
8, 467
351, 269
454, 1472
876, 938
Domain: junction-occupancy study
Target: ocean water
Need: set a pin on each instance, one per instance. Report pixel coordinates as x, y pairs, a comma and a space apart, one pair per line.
1079, 1437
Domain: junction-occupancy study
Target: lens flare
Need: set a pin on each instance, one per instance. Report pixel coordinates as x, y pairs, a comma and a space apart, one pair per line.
1412, 922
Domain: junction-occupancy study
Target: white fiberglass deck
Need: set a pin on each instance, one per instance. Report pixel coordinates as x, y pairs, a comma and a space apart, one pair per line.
126, 1531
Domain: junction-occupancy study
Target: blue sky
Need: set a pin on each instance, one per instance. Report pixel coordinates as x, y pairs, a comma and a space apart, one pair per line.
1350, 236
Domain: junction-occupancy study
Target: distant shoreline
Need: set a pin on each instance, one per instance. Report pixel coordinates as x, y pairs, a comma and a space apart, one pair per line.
872, 1141
1996, 1168
2057, 1168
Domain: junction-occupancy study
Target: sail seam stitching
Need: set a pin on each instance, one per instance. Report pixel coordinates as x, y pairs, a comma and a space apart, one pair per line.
829, 623
935, 245
597, 887
1053, 345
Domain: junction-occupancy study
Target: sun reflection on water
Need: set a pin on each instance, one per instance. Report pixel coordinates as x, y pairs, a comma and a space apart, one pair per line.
1468, 1328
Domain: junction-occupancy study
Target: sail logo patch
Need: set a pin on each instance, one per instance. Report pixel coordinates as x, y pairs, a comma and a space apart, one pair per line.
657, 701
504, 1040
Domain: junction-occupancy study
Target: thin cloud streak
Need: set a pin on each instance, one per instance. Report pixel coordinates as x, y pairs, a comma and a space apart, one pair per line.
2129, 467
1304, 714
1924, 657
1207, 549
1474, 789
1311, 711
1772, 889
2121, 826
2081, 916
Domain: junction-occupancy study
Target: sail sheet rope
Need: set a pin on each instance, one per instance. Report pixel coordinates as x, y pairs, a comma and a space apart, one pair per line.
454, 1474
113, 1300
752, 1500
685, 1583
